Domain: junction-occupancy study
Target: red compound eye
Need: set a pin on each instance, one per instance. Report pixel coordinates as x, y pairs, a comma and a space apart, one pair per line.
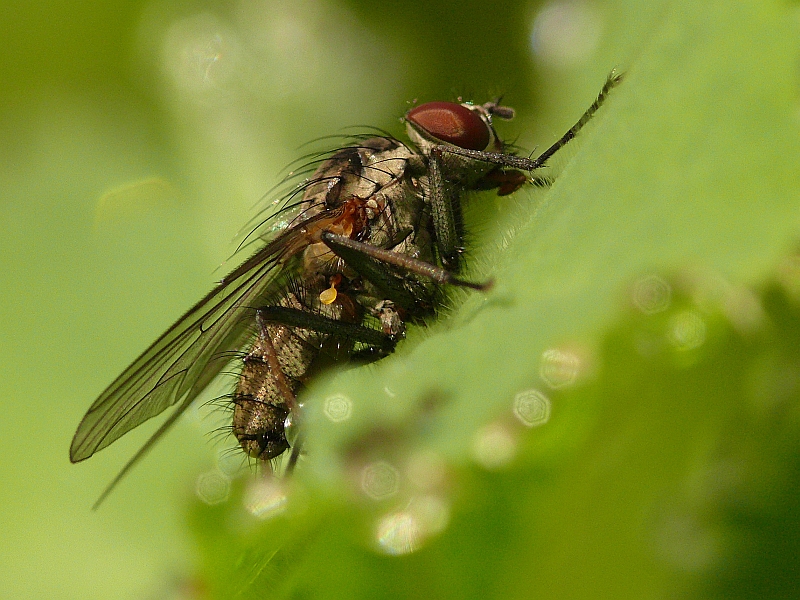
451, 123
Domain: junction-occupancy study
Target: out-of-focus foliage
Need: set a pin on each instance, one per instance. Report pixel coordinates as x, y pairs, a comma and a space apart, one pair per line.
135, 138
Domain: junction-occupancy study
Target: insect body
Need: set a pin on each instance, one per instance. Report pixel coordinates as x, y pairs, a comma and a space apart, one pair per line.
377, 233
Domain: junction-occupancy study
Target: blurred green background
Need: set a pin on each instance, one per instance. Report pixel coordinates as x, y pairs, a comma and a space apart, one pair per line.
136, 138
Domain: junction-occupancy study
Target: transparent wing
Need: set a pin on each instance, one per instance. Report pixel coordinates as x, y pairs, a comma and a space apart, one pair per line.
184, 360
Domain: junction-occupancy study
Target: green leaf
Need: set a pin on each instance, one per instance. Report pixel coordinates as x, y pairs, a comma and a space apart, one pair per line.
663, 456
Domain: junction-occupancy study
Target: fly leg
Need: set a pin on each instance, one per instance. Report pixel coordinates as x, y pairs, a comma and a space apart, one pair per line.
508, 161
445, 211
445, 201
528, 164
356, 253
268, 352
294, 317
508, 181
506, 178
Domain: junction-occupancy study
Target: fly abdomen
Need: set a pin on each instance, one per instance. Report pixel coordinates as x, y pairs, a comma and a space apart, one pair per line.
271, 377
260, 410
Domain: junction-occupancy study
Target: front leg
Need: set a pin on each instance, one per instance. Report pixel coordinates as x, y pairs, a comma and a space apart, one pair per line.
352, 250
508, 181
523, 163
445, 203
351, 332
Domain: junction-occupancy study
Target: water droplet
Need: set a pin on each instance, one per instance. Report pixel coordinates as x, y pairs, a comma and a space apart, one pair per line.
652, 294
559, 368
338, 408
265, 497
380, 480
398, 533
532, 408
291, 428
199, 52
494, 445
687, 330
403, 532
566, 32
213, 487
433, 513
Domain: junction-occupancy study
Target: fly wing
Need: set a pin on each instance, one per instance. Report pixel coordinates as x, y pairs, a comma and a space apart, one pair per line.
179, 364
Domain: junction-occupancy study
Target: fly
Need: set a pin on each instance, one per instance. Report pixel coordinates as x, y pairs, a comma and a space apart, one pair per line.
377, 233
